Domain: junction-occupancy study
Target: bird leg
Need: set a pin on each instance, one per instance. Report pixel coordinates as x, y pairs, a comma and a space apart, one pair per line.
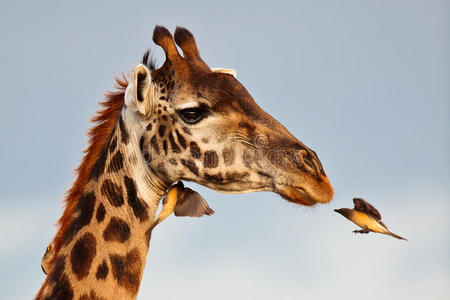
361, 231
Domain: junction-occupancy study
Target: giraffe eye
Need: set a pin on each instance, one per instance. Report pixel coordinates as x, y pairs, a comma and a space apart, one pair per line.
193, 115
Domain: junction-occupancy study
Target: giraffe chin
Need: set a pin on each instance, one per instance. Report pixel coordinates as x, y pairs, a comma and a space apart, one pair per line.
297, 195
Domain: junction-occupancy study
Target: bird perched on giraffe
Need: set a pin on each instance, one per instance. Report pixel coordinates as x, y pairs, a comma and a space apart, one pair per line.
183, 202
367, 217
47, 258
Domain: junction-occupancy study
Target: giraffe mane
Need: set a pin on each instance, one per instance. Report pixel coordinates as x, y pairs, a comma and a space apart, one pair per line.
104, 122
148, 60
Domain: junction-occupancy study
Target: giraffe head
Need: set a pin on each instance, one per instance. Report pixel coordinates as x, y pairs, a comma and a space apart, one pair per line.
200, 124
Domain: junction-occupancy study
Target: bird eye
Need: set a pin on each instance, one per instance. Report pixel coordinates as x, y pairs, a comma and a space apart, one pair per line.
193, 115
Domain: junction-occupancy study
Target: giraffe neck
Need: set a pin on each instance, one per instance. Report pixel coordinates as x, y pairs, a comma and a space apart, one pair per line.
104, 248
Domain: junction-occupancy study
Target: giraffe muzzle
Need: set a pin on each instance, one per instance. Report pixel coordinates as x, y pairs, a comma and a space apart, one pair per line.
305, 182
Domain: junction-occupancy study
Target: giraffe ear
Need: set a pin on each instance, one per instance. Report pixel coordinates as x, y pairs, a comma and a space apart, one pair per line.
226, 71
191, 204
139, 93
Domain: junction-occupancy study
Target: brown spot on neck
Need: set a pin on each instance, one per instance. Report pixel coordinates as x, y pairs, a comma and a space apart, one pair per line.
139, 207
91, 296
116, 163
127, 270
117, 230
102, 270
85, 210
123, 131
112, 192
101, 211
82, 255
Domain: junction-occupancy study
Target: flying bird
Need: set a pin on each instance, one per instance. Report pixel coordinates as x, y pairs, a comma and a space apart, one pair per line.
367, 217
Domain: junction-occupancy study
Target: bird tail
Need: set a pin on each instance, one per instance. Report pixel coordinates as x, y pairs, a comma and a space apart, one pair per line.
396, 236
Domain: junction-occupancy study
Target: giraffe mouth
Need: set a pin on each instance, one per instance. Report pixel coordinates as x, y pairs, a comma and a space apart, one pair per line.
297, 195
300, 195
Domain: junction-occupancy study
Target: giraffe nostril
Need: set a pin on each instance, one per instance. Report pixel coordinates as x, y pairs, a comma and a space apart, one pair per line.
308, 162
304, 159
319, 164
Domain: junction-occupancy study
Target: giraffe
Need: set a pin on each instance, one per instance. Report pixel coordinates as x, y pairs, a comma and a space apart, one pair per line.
182, 121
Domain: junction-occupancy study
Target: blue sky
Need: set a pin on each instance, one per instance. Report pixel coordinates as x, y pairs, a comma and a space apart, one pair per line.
363, 83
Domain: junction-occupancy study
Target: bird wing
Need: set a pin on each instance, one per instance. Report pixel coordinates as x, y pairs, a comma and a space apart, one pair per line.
191, 204
363, 206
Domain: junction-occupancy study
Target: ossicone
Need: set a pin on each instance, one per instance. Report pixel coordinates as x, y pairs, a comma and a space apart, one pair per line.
185, 40
163, 38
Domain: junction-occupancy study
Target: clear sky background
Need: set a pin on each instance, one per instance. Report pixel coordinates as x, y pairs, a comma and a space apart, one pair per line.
363, 83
